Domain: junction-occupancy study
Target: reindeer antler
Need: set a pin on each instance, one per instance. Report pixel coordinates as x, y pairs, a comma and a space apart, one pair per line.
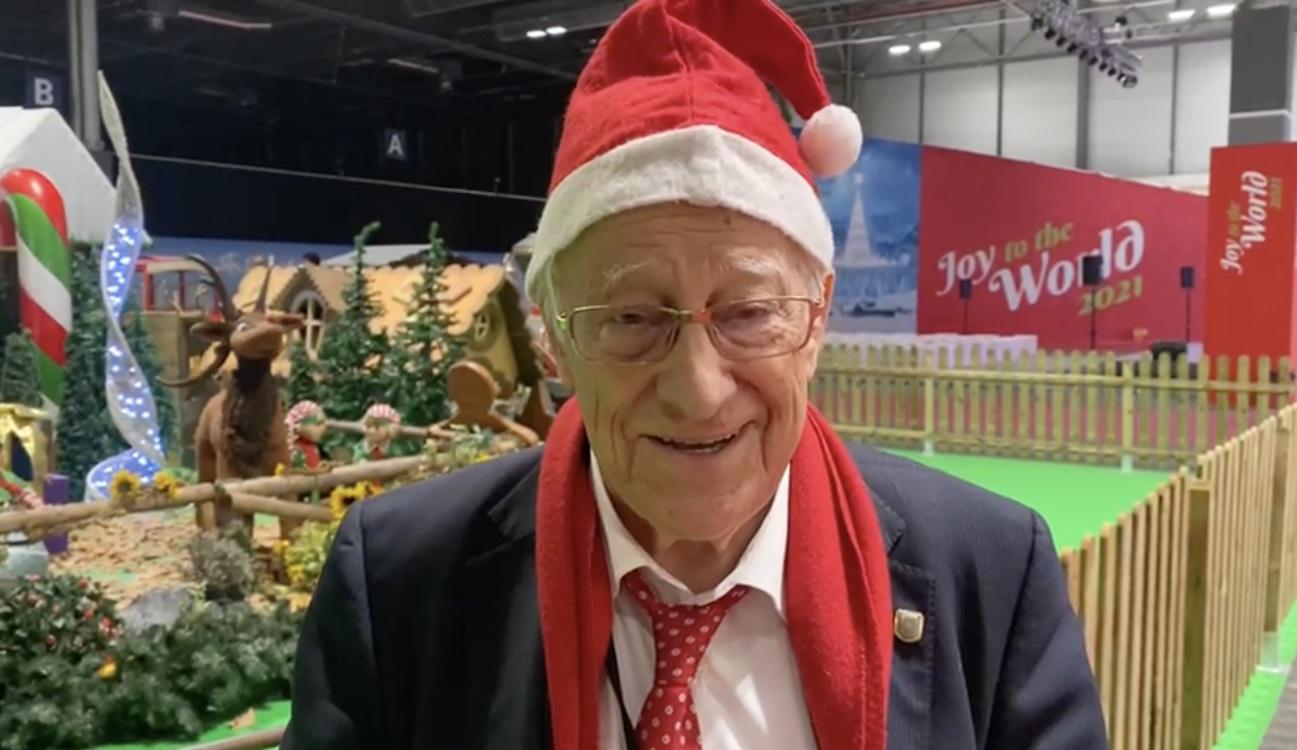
265, 287
222, 353
216, 283
223, 350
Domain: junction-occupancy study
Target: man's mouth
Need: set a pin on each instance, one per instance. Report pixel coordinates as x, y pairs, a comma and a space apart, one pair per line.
700, 447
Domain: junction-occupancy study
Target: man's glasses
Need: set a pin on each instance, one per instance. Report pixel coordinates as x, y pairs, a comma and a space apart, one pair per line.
642, 334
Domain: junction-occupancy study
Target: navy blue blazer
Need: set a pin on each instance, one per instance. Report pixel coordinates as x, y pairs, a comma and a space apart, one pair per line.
424, 632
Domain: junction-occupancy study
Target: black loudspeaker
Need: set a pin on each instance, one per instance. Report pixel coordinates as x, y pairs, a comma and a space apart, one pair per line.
1186, 277
966, 288
1092, 270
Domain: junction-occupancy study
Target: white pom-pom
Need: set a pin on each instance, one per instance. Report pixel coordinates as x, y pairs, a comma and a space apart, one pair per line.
831, 141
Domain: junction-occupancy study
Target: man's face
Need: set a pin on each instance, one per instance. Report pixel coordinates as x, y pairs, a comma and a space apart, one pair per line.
645, 421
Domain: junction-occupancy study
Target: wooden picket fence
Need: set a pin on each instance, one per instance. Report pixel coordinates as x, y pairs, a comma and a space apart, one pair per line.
1176, 596
1073, 406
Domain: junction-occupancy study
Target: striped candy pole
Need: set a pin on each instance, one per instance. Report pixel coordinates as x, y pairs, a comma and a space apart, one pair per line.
44, 270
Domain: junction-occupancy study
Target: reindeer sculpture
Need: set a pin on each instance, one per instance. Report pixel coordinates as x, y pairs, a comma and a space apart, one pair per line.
241, 431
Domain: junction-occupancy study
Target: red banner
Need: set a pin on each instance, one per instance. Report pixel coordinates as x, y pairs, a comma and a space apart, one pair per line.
1017, 233
1252, 233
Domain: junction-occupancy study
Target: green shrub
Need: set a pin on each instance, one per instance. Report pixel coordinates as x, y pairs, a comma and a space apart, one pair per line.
100, 687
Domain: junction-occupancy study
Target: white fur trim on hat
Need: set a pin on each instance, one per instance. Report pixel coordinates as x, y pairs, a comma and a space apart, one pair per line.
831, 141
703, 165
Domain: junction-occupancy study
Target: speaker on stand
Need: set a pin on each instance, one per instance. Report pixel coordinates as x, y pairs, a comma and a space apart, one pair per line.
1186, 283
965, 294
1092, 276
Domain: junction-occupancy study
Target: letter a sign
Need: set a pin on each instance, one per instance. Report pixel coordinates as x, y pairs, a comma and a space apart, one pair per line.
394, 145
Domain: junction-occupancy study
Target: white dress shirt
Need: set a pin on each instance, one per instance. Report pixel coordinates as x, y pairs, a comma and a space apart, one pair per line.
747, 692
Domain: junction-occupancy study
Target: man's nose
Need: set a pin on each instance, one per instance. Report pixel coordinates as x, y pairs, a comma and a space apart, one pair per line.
694, 381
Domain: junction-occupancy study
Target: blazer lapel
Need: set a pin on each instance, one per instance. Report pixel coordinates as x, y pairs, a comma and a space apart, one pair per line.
909, 700
504, 666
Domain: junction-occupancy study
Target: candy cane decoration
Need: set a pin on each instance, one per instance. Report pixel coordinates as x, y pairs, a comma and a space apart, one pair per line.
40, 229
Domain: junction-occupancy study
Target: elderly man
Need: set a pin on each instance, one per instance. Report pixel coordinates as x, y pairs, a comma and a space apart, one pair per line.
694, 560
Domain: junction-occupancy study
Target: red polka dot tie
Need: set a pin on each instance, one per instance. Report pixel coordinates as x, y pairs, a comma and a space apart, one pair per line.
681, 633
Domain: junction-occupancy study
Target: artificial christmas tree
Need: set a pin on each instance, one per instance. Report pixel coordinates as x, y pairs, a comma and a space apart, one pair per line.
303, 376
19, 383
86, 434
351, 360
424, 349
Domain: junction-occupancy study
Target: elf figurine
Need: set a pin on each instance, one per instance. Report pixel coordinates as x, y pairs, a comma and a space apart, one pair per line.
381, 423
306, 423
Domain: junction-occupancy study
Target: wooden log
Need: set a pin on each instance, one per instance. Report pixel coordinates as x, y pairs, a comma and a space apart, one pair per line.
245, 503
405, 431
256, 741
68, 515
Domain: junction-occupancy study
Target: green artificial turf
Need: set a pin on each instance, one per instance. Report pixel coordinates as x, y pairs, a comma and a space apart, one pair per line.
1251, 718
268, 717
1074, 499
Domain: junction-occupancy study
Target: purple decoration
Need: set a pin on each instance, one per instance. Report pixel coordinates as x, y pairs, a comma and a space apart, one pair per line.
56, 492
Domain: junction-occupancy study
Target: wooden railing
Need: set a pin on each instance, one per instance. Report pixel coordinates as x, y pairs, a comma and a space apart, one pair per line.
1177, 596
1064, 406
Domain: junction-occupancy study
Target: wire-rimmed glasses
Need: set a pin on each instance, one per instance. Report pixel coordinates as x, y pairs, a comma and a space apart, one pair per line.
740, 330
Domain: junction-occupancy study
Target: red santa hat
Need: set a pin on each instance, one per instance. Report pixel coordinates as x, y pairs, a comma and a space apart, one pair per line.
673, 107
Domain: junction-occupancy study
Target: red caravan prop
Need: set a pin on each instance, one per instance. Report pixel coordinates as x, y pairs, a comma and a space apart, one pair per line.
1018, 232
1252, 233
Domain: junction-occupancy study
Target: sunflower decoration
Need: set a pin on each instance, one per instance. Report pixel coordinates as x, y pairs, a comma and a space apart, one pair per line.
107, 670
167, 484
342, 498
123, 483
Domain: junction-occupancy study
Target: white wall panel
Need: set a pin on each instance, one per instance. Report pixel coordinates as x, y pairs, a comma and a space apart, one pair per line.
1201, 104
1040, 111
1130, 129
889, 107
959, 109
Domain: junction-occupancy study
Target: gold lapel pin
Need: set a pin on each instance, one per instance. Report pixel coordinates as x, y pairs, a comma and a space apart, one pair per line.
908, 626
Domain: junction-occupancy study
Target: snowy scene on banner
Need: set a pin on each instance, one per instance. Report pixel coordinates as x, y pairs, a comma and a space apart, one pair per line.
874, 212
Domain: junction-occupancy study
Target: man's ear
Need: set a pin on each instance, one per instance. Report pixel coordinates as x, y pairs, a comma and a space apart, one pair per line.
821, 325
212, 330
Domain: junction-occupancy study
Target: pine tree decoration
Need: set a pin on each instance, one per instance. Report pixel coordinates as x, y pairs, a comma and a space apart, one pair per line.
302, 375
18, 377
351, 358
86, 434
146, 356
423, 349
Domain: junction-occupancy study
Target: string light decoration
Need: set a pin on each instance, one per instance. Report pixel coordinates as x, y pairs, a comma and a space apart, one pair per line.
130, 400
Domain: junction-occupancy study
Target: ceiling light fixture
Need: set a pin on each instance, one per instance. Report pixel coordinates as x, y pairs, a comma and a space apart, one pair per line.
229, 22
416, 65
929, 46
556, 30
1181, 15
896, 50
536, 34
1221, 11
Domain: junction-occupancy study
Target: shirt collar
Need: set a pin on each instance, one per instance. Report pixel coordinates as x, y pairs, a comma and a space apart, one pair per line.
760, 568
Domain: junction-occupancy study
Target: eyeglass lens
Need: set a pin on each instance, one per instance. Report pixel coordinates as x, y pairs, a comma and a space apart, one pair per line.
744, 329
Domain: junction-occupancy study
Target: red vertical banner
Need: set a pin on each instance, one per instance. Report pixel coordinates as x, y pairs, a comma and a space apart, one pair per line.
1251, 251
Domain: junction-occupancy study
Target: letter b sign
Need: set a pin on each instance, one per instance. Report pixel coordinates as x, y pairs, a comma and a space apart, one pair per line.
44, 90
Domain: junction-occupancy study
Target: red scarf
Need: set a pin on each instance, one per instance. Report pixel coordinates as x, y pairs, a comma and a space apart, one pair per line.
838, 595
